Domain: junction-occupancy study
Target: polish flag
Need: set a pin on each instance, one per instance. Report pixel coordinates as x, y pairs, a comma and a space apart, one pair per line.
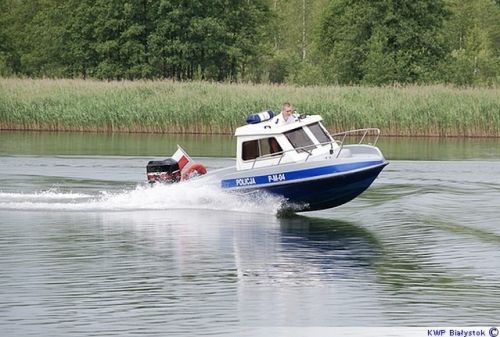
181, 157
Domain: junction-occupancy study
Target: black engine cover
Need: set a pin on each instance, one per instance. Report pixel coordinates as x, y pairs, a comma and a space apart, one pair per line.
167, 165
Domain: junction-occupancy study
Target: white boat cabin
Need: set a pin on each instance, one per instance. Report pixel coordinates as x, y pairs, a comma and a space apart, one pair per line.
271, 143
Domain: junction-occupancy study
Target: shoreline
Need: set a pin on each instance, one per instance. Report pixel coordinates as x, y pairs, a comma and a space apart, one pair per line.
382, 134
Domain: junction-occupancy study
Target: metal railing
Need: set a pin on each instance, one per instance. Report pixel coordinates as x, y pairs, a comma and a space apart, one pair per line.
357, 132
365, 132
308, 148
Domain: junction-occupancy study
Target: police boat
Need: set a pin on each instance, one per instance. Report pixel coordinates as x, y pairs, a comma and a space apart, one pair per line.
299, 160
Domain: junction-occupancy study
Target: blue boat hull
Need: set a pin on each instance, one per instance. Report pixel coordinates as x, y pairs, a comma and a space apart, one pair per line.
327, 192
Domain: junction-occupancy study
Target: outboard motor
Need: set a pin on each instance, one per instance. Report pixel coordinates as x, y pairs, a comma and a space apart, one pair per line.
172, 170
166, 171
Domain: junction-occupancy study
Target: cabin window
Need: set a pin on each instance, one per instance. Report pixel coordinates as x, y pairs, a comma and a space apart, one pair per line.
250, 150
261, 147
275, 146
299, 139
319, 133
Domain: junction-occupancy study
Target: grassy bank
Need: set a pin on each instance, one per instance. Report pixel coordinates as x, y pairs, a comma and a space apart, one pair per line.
197, 107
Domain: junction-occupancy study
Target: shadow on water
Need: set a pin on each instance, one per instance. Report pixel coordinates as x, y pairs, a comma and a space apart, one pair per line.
335, 243
328, 238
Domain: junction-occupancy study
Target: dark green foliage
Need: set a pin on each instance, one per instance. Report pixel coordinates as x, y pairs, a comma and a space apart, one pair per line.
382, 41
304, 42
132, 39
8, 55
473, 36
212, 40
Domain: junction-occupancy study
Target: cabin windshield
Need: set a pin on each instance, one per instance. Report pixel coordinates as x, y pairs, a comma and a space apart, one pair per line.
299, 139
320, 133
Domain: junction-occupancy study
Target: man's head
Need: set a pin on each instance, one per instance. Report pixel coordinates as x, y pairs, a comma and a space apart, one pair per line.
286, 110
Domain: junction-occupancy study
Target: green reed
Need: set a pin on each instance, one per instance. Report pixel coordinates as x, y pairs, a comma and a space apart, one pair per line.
201, 107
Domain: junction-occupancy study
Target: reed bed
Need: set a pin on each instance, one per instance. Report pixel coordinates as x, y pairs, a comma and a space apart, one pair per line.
215, 108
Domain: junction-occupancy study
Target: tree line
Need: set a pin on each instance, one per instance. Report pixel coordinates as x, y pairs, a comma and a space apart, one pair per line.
304, 42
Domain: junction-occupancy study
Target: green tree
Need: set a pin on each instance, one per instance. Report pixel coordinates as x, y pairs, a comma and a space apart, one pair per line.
380, 65
406, 33
46, 34
115, 39
214, 40
120, 31
46, 42
81, 58
168, 42
8, 56
473, 35
292, 38
16, 19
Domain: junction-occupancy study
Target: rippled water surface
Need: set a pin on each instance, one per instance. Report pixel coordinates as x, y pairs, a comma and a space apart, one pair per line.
87, 249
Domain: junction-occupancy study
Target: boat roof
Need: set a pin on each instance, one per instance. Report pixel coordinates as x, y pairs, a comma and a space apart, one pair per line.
270, 127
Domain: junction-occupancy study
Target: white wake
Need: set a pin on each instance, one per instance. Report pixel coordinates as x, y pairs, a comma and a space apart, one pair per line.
186, 195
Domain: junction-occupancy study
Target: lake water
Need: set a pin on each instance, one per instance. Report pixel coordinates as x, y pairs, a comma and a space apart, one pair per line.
86, 248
